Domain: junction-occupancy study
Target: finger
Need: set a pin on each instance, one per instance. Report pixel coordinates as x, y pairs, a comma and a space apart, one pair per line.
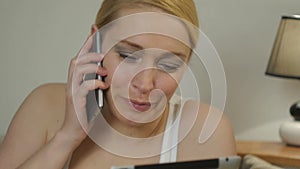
86, 72
71, 70
82, 70
102, 71
84, 49
79, 97
84, 59
90, 57
89, 85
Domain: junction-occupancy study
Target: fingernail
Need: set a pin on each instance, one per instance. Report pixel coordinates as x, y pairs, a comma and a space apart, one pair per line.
102, 71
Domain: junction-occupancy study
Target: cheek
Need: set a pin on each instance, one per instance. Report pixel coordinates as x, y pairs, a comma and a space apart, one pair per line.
116, 74
119, 77
167, 84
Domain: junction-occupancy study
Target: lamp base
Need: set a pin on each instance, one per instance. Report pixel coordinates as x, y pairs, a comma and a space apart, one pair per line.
290, 132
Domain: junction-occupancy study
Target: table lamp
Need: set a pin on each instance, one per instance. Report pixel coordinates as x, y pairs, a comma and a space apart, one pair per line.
285, 62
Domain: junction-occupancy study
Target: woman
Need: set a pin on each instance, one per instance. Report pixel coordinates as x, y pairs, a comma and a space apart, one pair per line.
50, 128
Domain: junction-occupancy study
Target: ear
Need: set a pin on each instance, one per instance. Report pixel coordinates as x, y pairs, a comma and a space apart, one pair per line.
94, 28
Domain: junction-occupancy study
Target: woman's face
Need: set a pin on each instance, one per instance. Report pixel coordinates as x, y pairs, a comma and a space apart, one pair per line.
144, 71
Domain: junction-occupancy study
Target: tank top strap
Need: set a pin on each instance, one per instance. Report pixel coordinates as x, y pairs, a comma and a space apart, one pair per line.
170, 138
66, 166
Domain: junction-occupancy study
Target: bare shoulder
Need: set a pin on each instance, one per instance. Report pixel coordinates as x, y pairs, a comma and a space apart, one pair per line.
34, 123
41, 108
49, 101
50, 90
219, 142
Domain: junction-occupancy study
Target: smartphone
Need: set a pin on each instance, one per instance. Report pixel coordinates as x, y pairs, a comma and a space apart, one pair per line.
94, 98
97, 48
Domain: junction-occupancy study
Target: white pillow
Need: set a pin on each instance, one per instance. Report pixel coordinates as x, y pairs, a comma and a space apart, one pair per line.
253, 162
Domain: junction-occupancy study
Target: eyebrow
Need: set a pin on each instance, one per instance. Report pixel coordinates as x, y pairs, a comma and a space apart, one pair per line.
134, 45
139, 47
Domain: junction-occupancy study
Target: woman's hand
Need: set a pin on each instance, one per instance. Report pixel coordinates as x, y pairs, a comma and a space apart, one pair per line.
76, 124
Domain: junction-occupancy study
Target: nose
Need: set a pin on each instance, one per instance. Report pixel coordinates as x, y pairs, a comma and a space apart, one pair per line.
144, 81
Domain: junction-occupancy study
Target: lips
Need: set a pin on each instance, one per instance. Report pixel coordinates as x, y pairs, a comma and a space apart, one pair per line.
140, 106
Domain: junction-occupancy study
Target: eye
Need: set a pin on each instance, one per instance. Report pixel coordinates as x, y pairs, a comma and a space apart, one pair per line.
169, 67
129, 57
169, 63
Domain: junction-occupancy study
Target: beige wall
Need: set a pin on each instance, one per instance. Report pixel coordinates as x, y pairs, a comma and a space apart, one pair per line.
38, 38
243, 32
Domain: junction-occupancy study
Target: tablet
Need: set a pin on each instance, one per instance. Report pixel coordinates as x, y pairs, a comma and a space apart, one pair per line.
232, 162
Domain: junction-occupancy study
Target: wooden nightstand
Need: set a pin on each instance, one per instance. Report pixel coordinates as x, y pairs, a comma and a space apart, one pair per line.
274, 152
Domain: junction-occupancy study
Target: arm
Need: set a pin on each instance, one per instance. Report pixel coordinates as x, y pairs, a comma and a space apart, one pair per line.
222, 141
27, 144
54, 155
220, 144
28, 132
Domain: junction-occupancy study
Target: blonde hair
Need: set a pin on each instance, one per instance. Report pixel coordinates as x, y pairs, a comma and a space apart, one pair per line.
184, 9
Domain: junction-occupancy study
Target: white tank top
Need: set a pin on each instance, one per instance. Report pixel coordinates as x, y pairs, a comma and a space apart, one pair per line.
170, 139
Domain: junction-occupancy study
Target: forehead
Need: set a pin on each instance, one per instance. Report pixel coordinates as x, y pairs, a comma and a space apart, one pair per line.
149, 24
155, 41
